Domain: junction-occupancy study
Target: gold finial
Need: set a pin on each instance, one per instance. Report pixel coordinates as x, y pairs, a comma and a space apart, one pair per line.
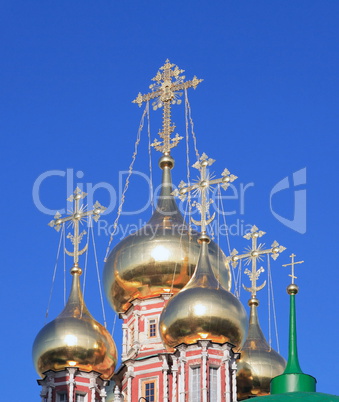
203, 185
254, 253
292, 264
76, 216
168, 82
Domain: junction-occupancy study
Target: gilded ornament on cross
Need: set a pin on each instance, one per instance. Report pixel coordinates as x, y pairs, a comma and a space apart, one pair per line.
292, 264
168, 83
76, 217
205, 182
255, 253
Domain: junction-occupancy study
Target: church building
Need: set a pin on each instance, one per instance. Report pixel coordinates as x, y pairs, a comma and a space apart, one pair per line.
186, 335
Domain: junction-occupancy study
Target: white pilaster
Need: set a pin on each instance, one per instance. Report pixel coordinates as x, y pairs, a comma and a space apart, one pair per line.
182, 360
165, 378
234, 381
124, 341
93, 386
116, 394
174, 378
204, 355
130, 375
49, 388
136, 329
44, 393
226, 360
103, 394
71, 383
49, 398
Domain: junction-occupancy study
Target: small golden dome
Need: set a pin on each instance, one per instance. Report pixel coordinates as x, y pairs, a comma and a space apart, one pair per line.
74, 338
160, 257
258, 363
203, 309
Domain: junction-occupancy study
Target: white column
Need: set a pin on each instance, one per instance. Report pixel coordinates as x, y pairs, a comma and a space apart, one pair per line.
234, 381
71, 383
165, 378
103, 395
43, 393
136, 328
130, 375
226, 360
48, 388
124, 341
204, 354
116, 397
103, 392
129, 389
174, 378
182, 360
92, 386
49, 398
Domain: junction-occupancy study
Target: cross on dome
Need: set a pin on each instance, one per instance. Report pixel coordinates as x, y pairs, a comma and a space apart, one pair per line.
292, 264
77, 216
205, 182
165, 91
254, 253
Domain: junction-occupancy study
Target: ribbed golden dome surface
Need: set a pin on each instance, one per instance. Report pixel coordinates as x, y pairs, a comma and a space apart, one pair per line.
160, 257
74, 338
203, 310
259, 363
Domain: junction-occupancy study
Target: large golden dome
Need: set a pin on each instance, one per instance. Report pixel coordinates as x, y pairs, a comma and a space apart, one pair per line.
160, 257
259, 363
203, 309
74, 338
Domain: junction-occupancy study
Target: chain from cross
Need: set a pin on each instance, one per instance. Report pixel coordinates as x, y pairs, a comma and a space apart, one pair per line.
292, 264
75, 218
254, 253
165, 91
205, 182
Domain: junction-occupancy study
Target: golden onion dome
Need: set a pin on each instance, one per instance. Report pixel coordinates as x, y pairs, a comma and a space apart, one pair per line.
259, 363
74, 338
203, 309
160, 257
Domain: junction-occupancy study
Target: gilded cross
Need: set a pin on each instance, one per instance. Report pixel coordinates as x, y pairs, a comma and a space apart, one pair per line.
76, 217
253, 254
165, 90
203, 185
292, 264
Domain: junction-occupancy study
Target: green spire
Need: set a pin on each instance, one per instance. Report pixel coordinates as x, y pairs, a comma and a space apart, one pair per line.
293, 379
293, 365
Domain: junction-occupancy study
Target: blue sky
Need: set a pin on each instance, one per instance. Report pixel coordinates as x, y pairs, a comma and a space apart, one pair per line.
268, 107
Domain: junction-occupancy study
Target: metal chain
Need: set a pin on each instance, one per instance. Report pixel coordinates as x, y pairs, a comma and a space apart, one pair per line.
130, 171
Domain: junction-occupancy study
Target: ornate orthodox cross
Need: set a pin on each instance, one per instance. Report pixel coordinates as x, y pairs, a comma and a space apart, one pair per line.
168, 82
205, 181
254, 253
77, 216
292, 264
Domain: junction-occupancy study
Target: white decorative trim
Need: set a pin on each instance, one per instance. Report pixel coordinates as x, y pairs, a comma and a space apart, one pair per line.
129, 375
182, 360
117, 394
204, 355
49, 388
124, 341
165, 378
174, 378
136, 329
234, 381
226, 360
71, 382
93, 386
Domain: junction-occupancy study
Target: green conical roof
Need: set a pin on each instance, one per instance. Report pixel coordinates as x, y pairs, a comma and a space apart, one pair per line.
293, 379
298, 396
